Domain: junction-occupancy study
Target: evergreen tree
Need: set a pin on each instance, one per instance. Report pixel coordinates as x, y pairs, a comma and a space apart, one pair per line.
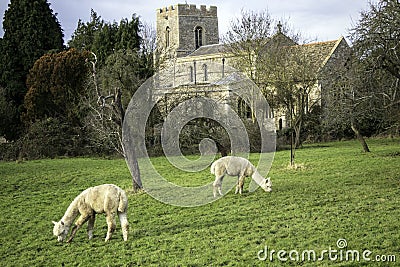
104, 38
56, 84
30, 30
85, 33
128, 34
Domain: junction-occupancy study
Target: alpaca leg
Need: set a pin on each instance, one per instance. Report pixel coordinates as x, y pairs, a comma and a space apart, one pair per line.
220, 190
238, 189
215, 189
92, 218
82, 219
74, 229
237, 186
111, 225
217, 185
124, 225
240, 184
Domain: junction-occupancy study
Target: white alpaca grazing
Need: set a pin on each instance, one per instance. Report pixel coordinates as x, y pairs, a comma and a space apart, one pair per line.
106, 198
240, 167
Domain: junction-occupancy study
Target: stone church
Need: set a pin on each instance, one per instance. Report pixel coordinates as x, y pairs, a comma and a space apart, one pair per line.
188, 46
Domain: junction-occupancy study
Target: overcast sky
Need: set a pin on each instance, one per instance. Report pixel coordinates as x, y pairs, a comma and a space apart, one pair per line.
320, 20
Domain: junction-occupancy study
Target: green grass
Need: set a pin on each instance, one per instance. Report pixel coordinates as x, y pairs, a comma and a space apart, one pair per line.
339, 193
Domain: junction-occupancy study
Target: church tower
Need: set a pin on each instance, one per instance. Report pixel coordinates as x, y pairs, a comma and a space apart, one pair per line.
183, 28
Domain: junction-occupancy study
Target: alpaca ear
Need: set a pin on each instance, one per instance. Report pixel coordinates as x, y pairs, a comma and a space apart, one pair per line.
54, 222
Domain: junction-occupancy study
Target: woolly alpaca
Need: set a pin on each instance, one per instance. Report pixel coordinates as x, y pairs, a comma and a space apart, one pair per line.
106, 198
240, 167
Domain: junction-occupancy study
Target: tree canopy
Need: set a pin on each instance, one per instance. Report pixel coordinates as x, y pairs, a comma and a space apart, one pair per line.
366, 97
56, 84
103, 38
376, 37
30, 30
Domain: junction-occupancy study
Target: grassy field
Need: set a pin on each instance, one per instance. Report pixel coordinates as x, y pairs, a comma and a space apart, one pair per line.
340, 193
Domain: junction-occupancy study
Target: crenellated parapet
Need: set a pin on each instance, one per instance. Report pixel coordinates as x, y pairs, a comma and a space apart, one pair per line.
188, 10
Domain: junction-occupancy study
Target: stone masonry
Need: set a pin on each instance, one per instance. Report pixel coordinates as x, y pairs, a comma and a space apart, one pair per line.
183, 28
188, 42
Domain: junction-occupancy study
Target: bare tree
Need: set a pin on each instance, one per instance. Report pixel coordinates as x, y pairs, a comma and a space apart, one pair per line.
246, 38
259, 46
368, 88
376, 43
376, 36
148, 47
107, 117
107, 113
289, 79
352, 101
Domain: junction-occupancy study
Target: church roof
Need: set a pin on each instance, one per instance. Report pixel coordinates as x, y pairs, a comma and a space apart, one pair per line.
208, 50
319, 53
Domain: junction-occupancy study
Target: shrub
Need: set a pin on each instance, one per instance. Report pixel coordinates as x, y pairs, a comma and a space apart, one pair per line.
50, 138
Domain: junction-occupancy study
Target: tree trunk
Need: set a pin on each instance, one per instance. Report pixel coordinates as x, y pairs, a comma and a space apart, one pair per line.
136, 181
130, 157
359, 136
292, 145
222, 149
297, 131
292, 148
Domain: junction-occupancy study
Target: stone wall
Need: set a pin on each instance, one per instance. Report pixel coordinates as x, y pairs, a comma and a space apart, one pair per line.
182, 20
334, 67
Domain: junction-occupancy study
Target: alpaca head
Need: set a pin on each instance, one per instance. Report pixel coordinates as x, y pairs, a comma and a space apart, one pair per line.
266, 184
60, 230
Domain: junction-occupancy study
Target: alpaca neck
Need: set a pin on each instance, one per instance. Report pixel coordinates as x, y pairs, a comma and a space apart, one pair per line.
257, 177
71, 213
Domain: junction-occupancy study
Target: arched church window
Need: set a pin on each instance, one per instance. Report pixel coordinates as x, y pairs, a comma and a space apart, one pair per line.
198, 36
167, 36
205, 72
